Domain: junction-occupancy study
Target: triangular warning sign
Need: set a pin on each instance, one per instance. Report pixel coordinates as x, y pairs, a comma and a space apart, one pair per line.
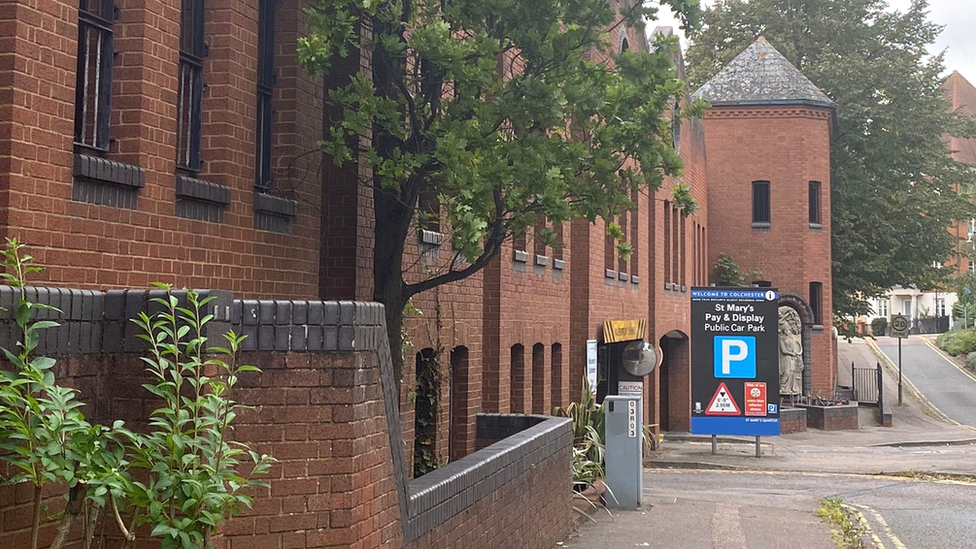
722, 403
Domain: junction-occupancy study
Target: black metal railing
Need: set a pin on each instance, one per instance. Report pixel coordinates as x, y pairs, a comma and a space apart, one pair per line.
868, 384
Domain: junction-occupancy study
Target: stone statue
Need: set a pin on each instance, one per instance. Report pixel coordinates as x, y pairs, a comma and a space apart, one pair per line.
790, 353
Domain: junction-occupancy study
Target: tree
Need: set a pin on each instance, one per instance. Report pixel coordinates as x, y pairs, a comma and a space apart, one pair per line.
504, 110
893, 182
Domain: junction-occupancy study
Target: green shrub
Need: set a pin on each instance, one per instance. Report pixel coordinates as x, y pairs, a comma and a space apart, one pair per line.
957, 342
879, 326
971, 361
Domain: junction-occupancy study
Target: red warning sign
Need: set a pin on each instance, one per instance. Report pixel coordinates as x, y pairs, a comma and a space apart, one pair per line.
755, 397
722, 403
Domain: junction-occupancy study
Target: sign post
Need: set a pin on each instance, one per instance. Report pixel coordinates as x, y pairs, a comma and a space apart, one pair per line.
899, 329
735, 362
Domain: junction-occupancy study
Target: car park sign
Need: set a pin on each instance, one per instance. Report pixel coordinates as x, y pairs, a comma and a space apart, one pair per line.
735, 361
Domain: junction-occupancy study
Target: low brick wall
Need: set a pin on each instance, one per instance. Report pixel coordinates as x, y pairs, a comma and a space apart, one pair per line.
792, 420
325, 405
831, 418
513, 493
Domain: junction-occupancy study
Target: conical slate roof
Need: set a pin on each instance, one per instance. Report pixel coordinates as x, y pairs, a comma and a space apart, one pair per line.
761, 75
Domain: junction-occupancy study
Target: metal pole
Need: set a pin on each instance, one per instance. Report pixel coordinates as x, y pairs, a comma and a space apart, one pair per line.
853, 383
758, 447
714, 444
899, 371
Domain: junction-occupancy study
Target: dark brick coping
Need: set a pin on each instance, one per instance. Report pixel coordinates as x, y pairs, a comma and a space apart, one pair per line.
528, 440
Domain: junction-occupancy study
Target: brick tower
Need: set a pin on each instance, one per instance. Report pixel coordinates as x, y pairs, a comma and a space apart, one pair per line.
768, 141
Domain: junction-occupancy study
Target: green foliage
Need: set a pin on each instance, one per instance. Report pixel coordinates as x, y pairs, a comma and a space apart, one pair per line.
501, 110
971, 361
193, 467
893, 183
846, 530
427, 400
589, 422
957, 342
879, 326
684, 199
44, 435
729, 273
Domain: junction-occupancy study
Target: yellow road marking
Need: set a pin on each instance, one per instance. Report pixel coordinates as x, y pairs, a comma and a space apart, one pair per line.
914, 389
866, 525
968, 374
884, 526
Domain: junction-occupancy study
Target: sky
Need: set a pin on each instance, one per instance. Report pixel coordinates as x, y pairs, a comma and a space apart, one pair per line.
958, 37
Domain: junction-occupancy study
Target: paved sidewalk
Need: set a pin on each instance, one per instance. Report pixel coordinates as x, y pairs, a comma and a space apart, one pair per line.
917, 441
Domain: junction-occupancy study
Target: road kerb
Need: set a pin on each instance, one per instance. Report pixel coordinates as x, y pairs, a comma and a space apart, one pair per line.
885, 529
864, 525
915, 393
948, 359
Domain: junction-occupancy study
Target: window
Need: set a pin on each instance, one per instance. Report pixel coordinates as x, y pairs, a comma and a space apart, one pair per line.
266, 82
675, 245
518, 380
538, 243
760, 203
557, 251
816, 302
622, 221
93, 91
539, 404
682, 257
676, 128
815, 203
972, 265
609, 246
940, 307
188, 101
556, 373
972, 229
667, 243
883, 307
634, 233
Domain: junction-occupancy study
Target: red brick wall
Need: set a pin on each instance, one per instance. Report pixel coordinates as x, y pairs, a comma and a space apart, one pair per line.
795, 145
530, 512
87, 245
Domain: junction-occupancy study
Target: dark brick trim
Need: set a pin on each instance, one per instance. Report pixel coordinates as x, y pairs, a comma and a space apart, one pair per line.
103, 170
274, 213
106, 182
198, 189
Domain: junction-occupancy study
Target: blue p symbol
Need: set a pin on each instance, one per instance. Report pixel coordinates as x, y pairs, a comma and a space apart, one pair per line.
735, 357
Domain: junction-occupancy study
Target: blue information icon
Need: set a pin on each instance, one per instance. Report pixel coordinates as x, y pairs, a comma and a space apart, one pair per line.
735, 357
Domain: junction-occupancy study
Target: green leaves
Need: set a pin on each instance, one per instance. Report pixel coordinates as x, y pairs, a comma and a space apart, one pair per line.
894, 187
192, 463
501, 110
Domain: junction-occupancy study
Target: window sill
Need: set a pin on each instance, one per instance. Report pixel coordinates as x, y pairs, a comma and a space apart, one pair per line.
610, 273
520, 256
623, 277
430, 238
105, 182
274, 213
541, 260
558, 264
635, 279
816, 226
761, 225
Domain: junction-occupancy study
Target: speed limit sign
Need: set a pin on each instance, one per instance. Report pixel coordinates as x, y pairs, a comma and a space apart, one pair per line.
899, 326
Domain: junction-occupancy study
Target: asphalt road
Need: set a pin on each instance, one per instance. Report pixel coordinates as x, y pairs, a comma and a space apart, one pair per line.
940, 381
758, 510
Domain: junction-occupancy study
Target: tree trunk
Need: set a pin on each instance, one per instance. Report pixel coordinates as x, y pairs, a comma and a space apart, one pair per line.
76, 500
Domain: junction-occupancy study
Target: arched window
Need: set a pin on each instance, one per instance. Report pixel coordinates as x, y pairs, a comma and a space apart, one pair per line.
539, 405
558, 379
519, 382
426, 404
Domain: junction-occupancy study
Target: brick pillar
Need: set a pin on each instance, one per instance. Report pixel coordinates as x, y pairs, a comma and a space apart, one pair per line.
322, 416
38, 50
346, 260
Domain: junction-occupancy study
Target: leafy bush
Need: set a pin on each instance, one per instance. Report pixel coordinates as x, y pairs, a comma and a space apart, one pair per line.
879, 326
588, 437
957, 342
971, 362
194, 482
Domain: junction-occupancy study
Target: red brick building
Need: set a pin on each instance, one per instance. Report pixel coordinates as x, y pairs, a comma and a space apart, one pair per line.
768, 142
176, 141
